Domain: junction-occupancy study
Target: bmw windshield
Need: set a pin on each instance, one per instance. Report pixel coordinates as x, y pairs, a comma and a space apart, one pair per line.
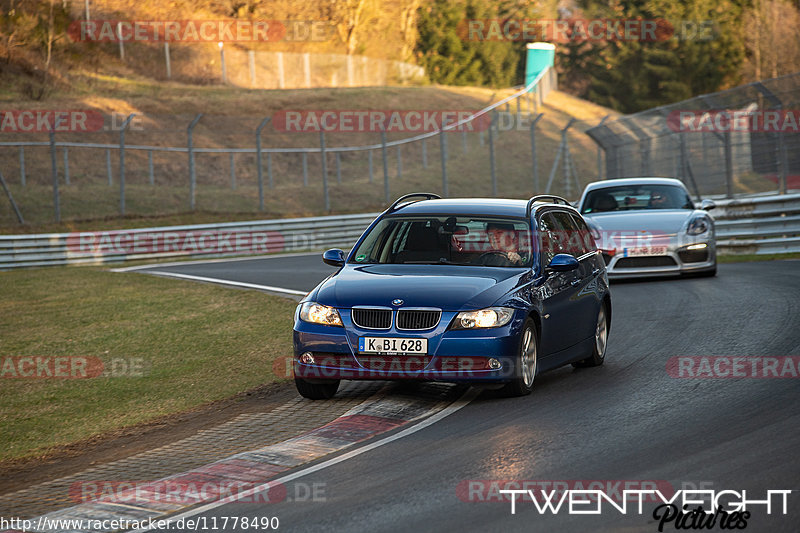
487, 241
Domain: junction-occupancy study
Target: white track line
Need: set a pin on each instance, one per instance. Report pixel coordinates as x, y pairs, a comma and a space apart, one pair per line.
447, 411
204, 261
218, 281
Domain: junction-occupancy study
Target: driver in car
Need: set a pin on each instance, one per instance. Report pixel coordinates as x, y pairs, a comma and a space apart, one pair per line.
658, 200
504, 246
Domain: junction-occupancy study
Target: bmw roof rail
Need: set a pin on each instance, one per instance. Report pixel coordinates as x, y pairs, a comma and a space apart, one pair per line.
426, 195
547, 198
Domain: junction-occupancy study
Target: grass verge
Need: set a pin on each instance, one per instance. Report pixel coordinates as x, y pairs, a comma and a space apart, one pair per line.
191, 344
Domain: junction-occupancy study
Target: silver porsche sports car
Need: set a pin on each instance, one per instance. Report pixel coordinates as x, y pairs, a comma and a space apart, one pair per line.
650, 227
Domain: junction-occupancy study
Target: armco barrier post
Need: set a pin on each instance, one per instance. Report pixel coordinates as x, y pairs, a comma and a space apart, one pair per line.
259, 164
192, 173
122, 163
443, 145
534, 162
324, 157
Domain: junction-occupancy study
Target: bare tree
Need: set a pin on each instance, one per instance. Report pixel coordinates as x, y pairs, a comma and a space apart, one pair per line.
772, 38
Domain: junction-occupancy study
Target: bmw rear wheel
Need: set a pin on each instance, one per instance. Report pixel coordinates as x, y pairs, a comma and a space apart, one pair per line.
600, 339
525, 363
316, 391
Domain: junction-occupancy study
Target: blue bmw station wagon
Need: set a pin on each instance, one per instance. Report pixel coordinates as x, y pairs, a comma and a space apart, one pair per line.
483, 291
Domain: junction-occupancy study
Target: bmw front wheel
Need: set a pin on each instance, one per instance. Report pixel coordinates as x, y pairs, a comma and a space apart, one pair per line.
524, 363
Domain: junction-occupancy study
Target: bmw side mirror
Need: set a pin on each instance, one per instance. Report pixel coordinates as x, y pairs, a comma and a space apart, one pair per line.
707, 205
562, 263
333, 257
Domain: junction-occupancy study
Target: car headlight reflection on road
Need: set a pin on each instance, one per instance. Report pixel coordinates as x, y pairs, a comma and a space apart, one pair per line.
698, 226
320, 314
492, 317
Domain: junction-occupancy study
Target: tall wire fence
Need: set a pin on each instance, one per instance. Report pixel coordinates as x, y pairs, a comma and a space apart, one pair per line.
744, 140
148, 164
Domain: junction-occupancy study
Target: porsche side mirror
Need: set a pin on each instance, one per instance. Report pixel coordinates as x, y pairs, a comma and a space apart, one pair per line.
707, 205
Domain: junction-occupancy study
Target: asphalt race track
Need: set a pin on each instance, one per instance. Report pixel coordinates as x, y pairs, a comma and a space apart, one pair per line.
628, 420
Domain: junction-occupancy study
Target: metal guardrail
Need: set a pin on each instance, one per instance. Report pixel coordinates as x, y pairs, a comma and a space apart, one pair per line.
203, 240
762, 225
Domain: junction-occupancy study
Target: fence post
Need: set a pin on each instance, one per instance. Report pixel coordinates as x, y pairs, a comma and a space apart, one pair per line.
11, 199
534, 161
491, 153
122, 163
66, 165
166, 60
783, 161
399, 161
54, 170
728, 166
385, 166
233, 171
600, 155
325, 169
443, 146
464, 138
192, 176
259, 164
22, 178
108, 167
270, 183
424, 154
370, 165
150, 167
305, 168
338, 168
251, 61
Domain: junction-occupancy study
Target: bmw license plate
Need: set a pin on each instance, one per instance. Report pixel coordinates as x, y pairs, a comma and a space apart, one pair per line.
645, 250
392, 345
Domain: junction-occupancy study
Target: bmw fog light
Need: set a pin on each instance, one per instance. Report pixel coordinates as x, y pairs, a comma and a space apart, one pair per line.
307, 358
494, 364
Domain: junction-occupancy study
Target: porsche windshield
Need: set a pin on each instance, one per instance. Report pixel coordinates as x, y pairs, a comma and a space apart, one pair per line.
483, 241
636, 197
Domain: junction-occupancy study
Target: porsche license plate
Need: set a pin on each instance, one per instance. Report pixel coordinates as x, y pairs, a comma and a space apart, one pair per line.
645, 250
392, 345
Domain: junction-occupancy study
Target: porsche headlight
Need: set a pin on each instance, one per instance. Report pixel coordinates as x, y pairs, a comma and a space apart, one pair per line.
698, 226
491, 317
320, 314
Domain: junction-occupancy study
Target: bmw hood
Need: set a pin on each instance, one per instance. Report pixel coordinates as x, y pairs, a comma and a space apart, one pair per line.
656, 221
447, 287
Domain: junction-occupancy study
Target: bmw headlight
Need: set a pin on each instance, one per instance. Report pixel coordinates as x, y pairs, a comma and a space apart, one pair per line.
698, 226
492, 317
320, 314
